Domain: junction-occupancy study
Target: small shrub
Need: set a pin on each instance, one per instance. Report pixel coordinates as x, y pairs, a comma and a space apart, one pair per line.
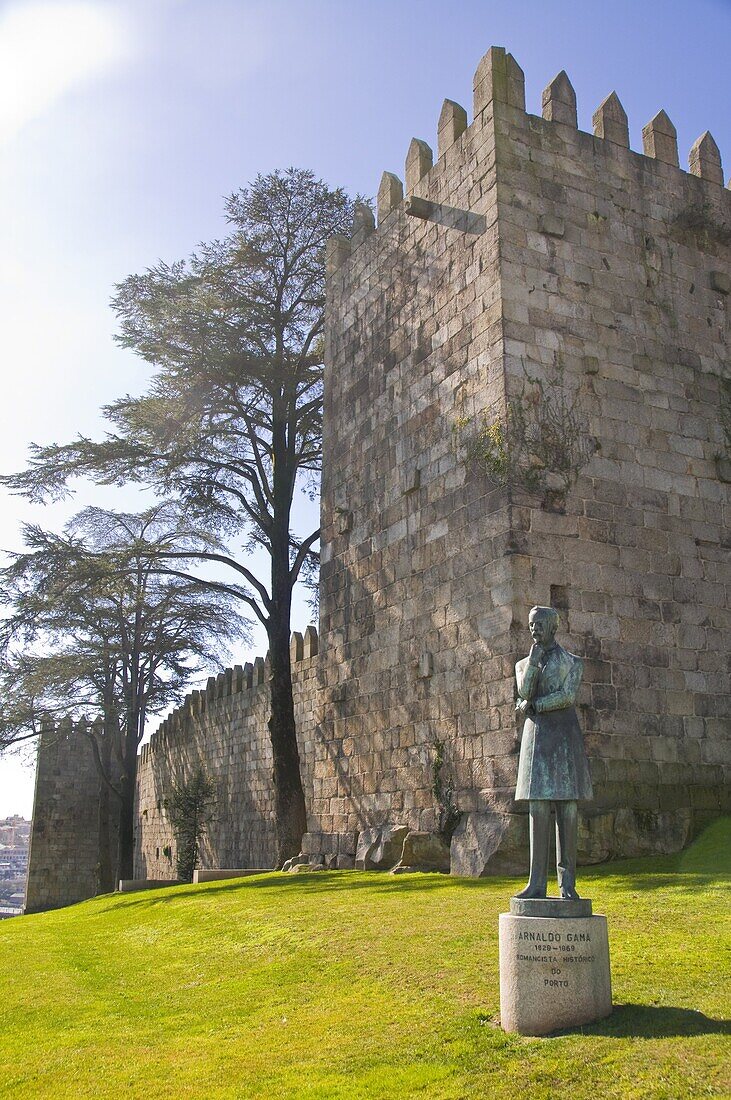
190, 809
540, 445
443, 791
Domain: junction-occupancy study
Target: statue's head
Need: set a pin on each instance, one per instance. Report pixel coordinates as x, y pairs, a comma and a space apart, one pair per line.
543, 624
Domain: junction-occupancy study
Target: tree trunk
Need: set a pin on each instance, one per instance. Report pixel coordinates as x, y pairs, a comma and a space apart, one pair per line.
289, 798
126, 814
107, 856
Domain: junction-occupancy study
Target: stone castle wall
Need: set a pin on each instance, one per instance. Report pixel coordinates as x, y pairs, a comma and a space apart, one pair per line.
615, 268
224, 730
527, 250
64, 847
528, 253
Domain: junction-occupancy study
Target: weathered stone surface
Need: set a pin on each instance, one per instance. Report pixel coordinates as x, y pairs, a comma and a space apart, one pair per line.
554, 973
419, 160
660, 139
390, 195
378, 849
364, 223
498, 77
423, 852
558, 101
486, 844
704, 159
452, 124
207, 874
610, 121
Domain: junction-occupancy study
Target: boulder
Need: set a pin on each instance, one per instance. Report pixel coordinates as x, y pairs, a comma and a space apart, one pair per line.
345, 863
378, 849
423, 852
490, 843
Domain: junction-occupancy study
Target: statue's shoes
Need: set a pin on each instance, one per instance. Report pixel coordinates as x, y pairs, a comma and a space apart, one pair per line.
530, 892
570, 895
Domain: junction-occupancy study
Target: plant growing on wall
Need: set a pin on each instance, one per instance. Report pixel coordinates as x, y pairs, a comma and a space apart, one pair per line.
190, 809
540, 445
443, 791
231, 423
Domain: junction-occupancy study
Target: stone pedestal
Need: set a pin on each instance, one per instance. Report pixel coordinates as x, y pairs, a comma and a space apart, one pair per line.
554, 969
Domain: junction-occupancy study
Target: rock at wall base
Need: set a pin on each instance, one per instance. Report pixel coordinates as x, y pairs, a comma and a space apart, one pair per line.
202, 874
423, 852
554, 973
380, 848
486, 844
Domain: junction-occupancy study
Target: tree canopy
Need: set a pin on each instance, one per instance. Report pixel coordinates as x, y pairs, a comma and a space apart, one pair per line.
97, 630
231, 424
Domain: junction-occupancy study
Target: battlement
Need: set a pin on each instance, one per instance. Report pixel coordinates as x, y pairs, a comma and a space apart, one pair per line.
499, 80
236, 681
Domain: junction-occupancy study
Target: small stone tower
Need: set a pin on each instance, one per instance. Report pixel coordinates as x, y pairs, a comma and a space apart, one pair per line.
64, 863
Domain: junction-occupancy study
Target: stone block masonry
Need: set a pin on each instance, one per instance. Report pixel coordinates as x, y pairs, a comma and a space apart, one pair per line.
63, 864
528, 253
223, 729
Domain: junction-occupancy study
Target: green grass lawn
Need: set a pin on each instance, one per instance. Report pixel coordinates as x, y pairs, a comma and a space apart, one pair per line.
343, 984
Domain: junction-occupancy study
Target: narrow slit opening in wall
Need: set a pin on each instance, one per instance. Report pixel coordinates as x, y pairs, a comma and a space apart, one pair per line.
560, 597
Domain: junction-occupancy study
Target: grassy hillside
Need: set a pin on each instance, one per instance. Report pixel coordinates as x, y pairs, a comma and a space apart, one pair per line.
361, 985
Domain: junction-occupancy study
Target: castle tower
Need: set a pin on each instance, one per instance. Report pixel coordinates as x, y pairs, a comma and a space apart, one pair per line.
63, 864
548, 302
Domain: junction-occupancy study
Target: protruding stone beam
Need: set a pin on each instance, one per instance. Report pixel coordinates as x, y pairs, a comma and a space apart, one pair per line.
452, 123
660, 140
237, 679
390, 194
296, 647
705, 159
419, 208
558, 102
499, 77
337, 251
419, 160
363, 224
259, 675
248, 675
312, 642
610, 121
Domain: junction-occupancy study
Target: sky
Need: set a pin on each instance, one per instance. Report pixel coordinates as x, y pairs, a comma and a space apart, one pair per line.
124, 124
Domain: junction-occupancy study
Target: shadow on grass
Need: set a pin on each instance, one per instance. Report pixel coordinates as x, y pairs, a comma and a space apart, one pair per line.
656, 1022
320, 882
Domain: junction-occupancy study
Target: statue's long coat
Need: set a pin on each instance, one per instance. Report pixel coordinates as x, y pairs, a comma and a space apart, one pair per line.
553, 763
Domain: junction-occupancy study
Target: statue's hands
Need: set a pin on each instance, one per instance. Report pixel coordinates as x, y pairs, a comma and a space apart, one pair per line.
536, 653
524, 707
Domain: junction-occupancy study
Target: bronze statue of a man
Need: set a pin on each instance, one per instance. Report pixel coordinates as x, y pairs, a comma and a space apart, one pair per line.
553, 767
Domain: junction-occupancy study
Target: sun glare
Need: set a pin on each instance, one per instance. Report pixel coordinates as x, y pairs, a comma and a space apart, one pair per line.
48, 48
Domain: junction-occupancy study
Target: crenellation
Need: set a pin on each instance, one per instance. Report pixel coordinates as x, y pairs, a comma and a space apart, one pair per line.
390, 195
704, 159
452, 124
498, 77
419, 161
296, 647
337, 251
558, 101
610, 121
363, 224
660, 140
